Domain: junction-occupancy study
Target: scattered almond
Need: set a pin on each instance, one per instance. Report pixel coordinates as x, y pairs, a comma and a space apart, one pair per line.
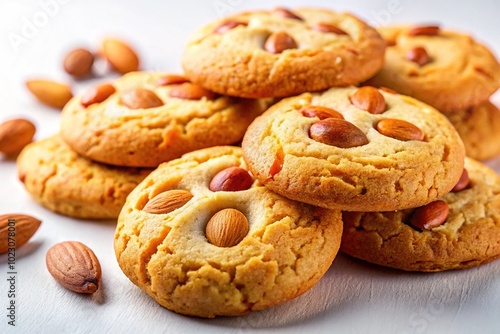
15, 135
120, 55
78, 63
140, 98
15, 230
231, 179
74, 266
167, 201
97, 94
227, 228
51, 93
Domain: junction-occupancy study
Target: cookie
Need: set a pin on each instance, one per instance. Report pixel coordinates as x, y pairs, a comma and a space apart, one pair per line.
281, 53
145, 118
445, 69
479, 128
62, 181
355, 149
466, 230
204, 238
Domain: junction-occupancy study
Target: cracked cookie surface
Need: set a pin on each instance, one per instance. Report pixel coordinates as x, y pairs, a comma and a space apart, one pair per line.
288, 248
380, 173
64, 182
469, 237
112, 132
458, 72
321, 49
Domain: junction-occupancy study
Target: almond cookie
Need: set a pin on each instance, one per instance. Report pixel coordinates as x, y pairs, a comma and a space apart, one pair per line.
204, 238
446, 69
61, 180
144, 118
479, 128
459, 230
282, 53
355, 149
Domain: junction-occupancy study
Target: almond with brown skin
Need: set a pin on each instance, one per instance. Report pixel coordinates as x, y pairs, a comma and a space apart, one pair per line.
286, 13
228, 25
15, 230
337, 132
15, 134
97, 94
74, 266
369, 99
278, 42
167, 201
121, 56
78, 63
430, 216
171, 79
320, 112
51, 93
430, 30
399, 129
328, 28
231, 179
463, 182
418, 55
227, 228
191, 91
140, 98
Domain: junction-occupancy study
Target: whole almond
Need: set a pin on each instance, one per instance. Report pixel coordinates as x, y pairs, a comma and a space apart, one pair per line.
463, 182
328, 28
231, 179
15, 134
74, 266
286, 13
51, 93
140, 98
171, 79
227, 228
320, 112
419, 56
15, 230
78, 63
369, 99
430, 30
167, 201
191, 91
278, 42
337, 132
228, 25
97, 94
431, 215
399, 129
120, 55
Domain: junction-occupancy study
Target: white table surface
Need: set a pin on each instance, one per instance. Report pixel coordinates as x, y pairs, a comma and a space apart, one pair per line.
353, 297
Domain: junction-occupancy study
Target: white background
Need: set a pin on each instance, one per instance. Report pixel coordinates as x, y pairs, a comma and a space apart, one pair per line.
353, 297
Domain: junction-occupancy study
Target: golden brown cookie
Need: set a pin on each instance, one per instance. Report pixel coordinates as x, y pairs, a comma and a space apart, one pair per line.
282, 53
479, 128
460, 230
61, 180
355, 149
145, 118
445, 69
202, 237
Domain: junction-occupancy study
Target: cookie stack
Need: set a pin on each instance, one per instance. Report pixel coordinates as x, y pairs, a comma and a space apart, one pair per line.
453, 73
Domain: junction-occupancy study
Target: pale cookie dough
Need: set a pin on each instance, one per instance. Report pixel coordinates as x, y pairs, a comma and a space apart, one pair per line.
380, 173
231, 55
62, 181
288, 248
114, 133
459, 72
469, 237
479, 128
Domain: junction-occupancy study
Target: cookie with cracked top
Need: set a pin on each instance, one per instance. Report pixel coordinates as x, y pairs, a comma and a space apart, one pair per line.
282, 52
355, 149
204, 238
66, 183
448, 70
479, 128
145, 118
464, 229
